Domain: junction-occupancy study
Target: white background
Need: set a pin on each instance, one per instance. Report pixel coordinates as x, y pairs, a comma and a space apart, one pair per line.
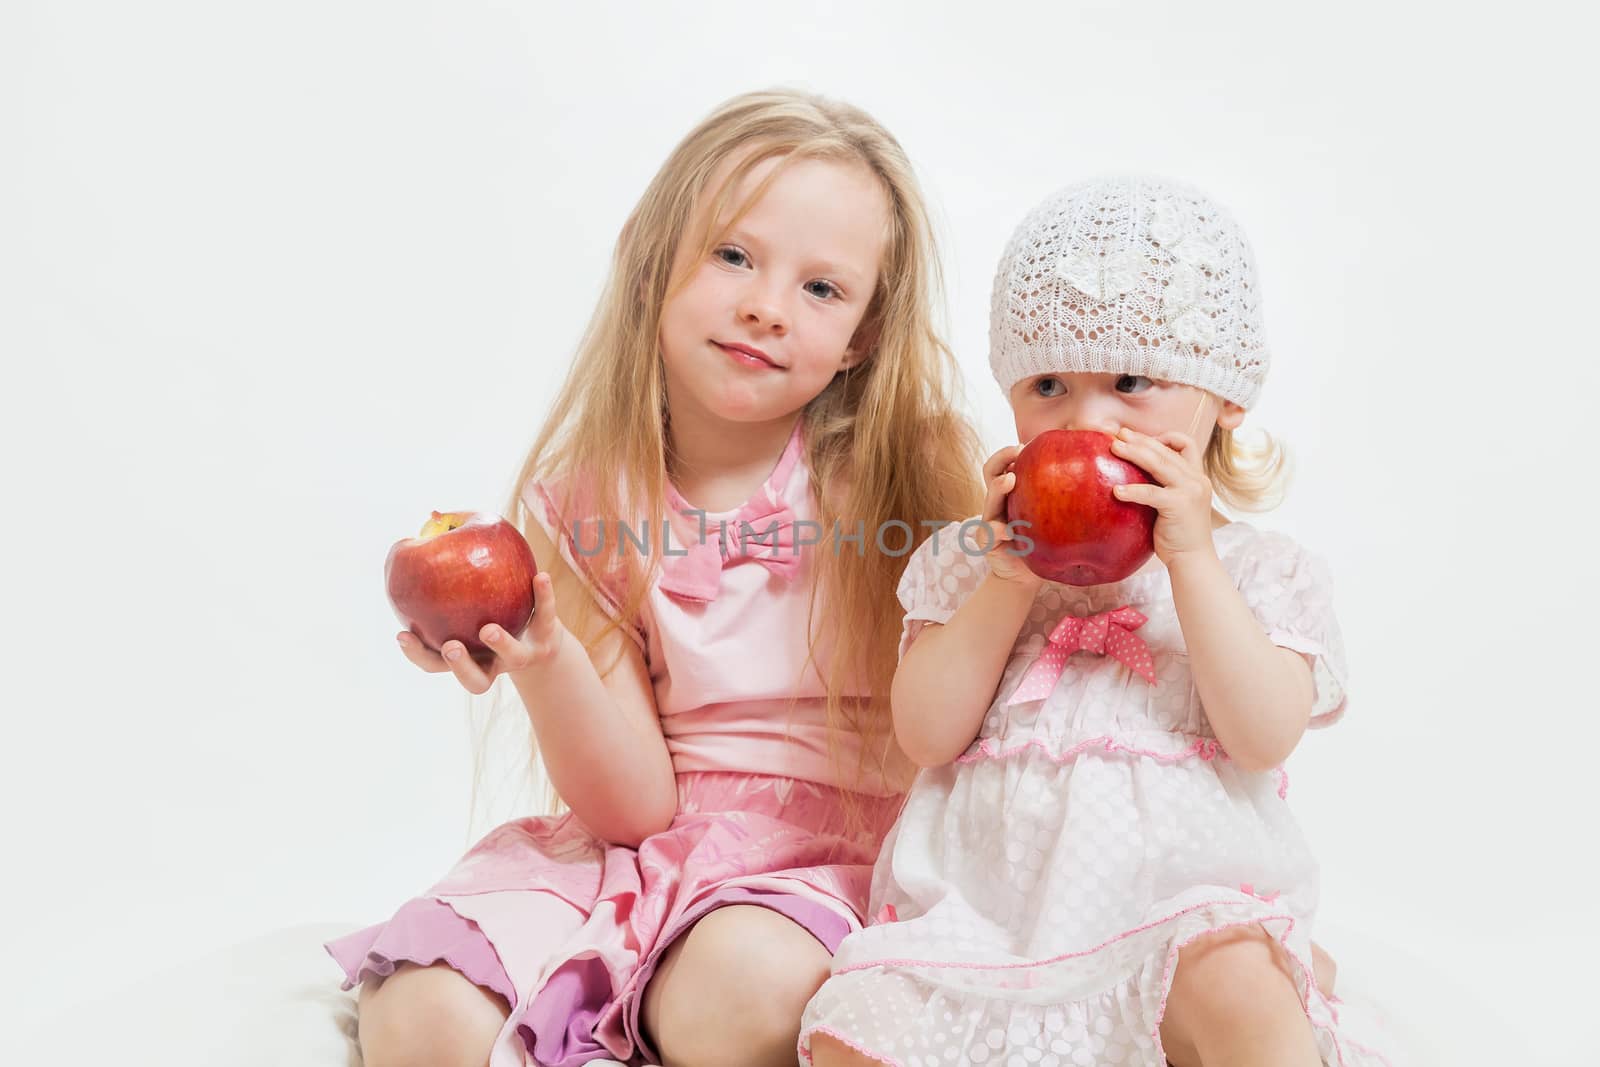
278, 279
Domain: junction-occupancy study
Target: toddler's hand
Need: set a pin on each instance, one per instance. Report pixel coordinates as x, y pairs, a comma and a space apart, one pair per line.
537, 644
1004, 563
1181, 495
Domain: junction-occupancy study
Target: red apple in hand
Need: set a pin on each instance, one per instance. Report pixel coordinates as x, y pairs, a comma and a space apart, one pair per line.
466, 570
1082, 534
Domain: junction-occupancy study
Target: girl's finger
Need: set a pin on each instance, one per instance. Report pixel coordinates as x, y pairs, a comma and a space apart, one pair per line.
997, 463
544, 597
420, 654
469, 674
994, 501
1187, 449
510, 653
1180, 443
991, 539
543, 623
1152, 458
1139, 493
496, 638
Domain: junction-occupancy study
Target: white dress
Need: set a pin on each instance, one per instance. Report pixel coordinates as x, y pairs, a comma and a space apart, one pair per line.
1041, 885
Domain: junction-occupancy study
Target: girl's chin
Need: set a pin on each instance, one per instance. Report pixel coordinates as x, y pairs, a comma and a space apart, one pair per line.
744, 408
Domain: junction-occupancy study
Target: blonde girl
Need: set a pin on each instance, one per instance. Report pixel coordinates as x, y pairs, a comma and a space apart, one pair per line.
754, 430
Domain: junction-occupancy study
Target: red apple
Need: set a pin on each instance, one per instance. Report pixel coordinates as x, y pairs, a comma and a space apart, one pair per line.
1082, 535
466, 570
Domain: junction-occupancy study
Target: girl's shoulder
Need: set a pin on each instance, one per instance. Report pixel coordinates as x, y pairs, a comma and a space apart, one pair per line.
1247, 540
1289, 589
564, 508
1254, 556
953, 541
947, 566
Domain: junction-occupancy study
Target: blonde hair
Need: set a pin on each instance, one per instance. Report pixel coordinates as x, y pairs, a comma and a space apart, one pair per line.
1246, 475
884, 440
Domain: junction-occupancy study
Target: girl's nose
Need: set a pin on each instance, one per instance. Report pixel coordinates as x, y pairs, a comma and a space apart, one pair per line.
1093, 416
1105, 426
758, 308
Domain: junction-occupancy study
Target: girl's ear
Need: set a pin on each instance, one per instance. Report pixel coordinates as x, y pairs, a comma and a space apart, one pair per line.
1230, 416
861, 345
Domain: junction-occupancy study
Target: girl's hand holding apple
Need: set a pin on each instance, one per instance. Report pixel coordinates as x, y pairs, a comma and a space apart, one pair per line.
535, 645
467, 588
1181, 494
1068, 488
1005, 561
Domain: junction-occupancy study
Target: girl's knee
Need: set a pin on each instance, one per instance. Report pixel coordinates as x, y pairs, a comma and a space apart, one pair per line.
427, 1015
831, 1052
1227, 977
762, 960
736, 989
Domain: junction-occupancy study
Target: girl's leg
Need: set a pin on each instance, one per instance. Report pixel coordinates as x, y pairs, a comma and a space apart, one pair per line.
731, 990
831, 1052
1324, 968
428, 1016
1233, 1001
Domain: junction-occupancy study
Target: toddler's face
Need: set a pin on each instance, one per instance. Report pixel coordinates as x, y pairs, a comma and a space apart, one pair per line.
1108, 402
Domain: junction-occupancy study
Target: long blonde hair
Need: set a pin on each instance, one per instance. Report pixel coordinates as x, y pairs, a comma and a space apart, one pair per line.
884, 441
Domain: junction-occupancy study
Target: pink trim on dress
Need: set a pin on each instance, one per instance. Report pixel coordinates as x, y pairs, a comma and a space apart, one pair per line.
1306, 989
1023, 964
1205, 748
805, 1053
422, 932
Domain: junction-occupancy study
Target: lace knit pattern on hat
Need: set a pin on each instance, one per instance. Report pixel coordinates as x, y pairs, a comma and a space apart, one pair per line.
1130, 275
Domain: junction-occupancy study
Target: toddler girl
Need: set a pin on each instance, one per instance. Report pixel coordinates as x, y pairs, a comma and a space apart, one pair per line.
1098, 865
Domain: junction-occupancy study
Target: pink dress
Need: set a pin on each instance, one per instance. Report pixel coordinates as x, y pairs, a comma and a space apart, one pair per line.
568, 928
1034, 893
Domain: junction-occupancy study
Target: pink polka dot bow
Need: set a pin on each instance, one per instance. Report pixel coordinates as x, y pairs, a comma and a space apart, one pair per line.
1109, 633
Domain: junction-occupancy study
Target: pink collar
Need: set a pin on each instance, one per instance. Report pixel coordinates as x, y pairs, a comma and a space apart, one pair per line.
761, 530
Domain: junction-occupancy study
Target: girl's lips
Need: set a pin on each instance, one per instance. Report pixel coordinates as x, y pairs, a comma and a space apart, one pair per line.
748, 356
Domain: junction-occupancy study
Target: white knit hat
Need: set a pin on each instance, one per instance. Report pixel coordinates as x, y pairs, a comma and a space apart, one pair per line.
1130, 275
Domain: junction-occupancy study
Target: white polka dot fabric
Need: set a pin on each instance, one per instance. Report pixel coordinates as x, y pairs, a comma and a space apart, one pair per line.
1044, 882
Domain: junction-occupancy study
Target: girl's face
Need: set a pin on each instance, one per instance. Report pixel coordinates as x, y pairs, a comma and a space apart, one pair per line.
762, 323
1108, 402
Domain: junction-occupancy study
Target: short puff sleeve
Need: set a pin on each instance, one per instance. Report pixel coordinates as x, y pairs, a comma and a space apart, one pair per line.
1290, 590
564, 515
940, 575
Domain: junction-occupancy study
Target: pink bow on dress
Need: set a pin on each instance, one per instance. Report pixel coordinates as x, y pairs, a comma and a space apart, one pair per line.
1109, 633
697, 575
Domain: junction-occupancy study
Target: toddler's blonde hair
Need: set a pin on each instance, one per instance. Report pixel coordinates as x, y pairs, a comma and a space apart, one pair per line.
1250, 476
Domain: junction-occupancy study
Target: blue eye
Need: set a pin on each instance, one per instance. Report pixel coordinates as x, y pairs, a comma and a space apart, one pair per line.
1133, 383
1048, 387
733, 257
823, 289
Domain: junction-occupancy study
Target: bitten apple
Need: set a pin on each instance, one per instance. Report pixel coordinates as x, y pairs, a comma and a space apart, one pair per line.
465, 570
1082, 534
